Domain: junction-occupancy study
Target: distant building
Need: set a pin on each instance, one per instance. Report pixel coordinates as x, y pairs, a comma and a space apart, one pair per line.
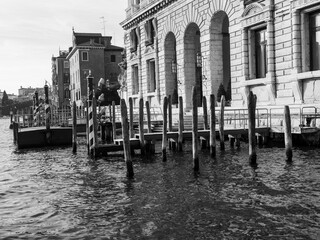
265, 46
12, 96
60, 80
92, 52
26, 94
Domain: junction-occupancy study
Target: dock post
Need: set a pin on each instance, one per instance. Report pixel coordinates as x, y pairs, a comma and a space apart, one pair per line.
126, 138
14, 126
47, 107
47, 113
23, 117
114, 121
36, 109
212, 126
87, 122
91, 135
181, 127
95, 123
164, 129
238, 141
150, 145
30, 116
205, 113
74, 127
287, 133
141, 127
195, 140
11, 116
204, 142
252, 99
221, 123
131, 117
170, 113
148, 116
231, 140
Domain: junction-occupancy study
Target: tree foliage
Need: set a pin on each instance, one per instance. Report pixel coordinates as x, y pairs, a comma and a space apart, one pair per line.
11, 105
5, 98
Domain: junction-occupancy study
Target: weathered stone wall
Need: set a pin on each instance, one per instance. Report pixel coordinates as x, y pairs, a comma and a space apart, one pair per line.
287, 80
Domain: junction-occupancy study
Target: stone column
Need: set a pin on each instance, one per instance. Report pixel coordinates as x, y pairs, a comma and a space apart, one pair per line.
296, 42
271, 87
245, 54
140, 62
156, 60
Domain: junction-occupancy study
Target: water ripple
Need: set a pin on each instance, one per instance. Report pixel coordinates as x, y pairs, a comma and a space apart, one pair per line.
53, 194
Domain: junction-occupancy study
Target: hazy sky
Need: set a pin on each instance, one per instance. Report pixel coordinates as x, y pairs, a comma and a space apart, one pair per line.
31, 31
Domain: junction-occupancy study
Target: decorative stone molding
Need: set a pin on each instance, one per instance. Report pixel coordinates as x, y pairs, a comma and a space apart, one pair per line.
134, 56
170, 26
252, 9
149, 49
192, 15
298, 4
221, 5
146, 12
255, 13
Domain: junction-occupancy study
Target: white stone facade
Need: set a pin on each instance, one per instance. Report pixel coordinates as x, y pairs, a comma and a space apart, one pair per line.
222, 33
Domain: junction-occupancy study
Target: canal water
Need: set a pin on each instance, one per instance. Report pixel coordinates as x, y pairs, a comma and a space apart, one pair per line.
54, 194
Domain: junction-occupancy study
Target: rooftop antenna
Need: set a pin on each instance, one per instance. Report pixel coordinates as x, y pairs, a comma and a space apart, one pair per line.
104, 26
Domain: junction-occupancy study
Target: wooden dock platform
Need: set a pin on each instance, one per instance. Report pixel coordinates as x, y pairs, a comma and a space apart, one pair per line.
41, 137
117, 146
157, 136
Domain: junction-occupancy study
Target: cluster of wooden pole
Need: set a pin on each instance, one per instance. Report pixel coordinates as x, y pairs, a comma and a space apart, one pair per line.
127, 126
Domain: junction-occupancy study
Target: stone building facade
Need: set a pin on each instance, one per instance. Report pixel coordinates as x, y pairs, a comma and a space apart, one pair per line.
60, 80
94, 53
265, 46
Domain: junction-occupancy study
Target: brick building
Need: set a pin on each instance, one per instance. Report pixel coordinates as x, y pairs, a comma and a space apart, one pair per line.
95, 53
266, 46
60, 80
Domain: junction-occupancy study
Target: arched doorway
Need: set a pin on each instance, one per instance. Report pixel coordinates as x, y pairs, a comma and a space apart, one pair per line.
192, 63
171, 69
220, 53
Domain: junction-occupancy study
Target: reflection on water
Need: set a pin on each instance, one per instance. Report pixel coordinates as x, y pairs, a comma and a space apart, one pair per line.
54, 194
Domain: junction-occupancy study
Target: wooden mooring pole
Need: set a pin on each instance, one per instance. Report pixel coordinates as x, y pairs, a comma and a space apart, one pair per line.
141, 127
181, 127
170, 113
95, 122
131, 117
150, 144
221, 123
37, 110
114, 121
126, 138
74, 127
164, 130
47, 107
204, 142
195, 140
91, 136
205, 113
212, 126
47, 113
148, 116
252, 99
287, 133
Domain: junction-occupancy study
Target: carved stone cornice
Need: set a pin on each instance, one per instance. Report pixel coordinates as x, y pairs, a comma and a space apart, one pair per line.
255, 14
303, 3
145, 13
